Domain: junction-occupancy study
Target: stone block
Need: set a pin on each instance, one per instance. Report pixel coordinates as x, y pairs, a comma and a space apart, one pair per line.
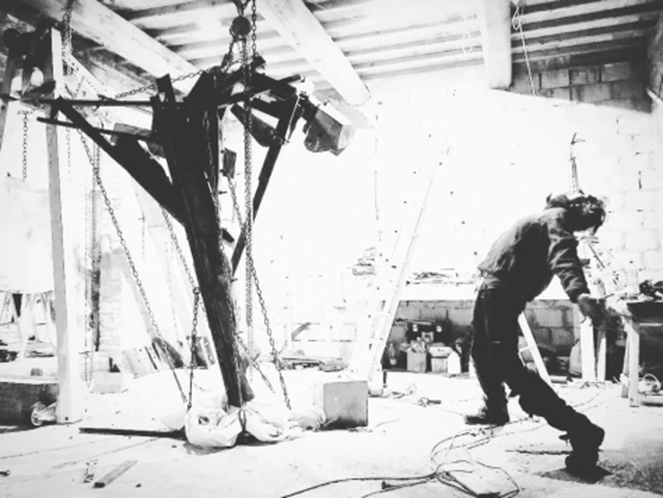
584, 76
549, 317
344, 402
642, 240
616, 72
555, 79
591, 93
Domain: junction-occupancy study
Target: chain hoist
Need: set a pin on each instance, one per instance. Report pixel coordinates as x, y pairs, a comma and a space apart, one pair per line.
24, 146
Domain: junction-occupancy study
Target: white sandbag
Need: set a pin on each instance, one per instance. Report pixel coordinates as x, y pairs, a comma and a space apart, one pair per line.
212, 430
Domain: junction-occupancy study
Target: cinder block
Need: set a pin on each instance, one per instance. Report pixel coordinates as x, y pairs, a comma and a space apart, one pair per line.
643, 201
627, 89
642, 240
555, 79
643, 144
621, 222
612, 239
521, 82
549, 317
629, 259
654, 260
345, 402
110, 382
651, 179
584, 76
616, 72
591, 93
633, 124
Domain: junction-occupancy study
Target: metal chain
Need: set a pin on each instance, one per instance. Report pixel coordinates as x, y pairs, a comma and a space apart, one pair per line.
67, 48
194, 340
248, 196
24, 168
132, 265
263, 307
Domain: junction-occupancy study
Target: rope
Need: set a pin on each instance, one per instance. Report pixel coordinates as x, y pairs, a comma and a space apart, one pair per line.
517, 24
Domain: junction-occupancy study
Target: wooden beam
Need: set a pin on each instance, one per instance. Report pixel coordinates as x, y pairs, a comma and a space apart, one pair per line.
295, 22
91, 19
495, 24
70, 395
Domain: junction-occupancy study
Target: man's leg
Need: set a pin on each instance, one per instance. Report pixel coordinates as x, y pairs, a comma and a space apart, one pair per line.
538, 398
495, 329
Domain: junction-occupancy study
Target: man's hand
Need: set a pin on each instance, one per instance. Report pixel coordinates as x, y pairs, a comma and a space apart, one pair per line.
592, 307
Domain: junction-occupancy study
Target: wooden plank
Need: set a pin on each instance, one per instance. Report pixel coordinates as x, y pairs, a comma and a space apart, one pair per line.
114, 474
93, 20
601, 352
70, 397
633, 343
295, 22
533, 348
495, 24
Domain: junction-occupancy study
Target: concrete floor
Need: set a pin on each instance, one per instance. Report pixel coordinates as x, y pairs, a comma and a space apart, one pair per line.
398, 442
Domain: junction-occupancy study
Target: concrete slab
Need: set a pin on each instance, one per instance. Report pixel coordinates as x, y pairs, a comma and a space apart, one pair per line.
400, 439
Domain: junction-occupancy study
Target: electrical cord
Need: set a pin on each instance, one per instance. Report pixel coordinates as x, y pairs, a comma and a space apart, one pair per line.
356, 479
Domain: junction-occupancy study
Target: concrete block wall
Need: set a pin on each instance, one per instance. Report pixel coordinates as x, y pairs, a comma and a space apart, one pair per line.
552, 321
508, 151
615, 84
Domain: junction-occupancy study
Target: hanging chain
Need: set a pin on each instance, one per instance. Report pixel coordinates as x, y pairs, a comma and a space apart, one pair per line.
248, 194
67, 48
24, 167
194, 341
132, 265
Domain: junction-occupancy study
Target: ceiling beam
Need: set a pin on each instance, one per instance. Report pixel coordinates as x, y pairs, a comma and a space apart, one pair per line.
93, 20
495, 24
295, 23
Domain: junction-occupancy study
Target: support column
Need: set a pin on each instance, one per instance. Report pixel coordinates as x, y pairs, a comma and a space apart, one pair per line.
70, 395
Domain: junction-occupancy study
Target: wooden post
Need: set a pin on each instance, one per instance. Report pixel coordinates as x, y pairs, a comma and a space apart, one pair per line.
587, 356
601, 352
11, 65
69, 404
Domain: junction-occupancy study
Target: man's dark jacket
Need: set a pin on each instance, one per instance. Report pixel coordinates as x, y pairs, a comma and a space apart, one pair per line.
525, 257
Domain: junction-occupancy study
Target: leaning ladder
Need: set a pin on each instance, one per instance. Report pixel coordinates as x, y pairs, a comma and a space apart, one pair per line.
374, 328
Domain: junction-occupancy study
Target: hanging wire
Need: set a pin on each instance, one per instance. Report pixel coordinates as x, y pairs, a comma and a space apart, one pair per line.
517, 24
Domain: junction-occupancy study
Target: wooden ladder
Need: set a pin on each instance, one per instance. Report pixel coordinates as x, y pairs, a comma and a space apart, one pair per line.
374, 328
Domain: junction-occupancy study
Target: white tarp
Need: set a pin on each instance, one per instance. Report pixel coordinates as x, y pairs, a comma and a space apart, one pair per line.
26, 264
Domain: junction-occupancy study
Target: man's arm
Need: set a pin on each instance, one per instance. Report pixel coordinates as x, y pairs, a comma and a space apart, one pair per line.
564, 261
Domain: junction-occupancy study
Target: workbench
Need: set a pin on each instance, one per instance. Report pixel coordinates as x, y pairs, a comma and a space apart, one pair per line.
636, 316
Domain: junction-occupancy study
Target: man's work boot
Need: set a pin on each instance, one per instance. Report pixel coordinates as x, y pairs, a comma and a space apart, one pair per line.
585, 454
489, 415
